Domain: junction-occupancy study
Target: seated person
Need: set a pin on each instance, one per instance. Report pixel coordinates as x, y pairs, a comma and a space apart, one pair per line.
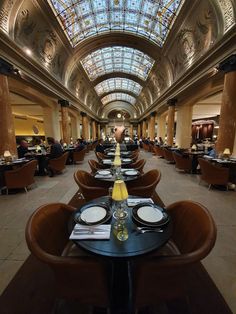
212, 152
55, 148
79, 145
22, 149
99, 147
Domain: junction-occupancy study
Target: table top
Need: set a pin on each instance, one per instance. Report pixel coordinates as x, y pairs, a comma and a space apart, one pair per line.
135, 245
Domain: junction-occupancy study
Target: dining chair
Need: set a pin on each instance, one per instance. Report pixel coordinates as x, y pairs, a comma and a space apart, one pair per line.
89, 186
168, 155
182, 163
100, 156
163, 275
57, 165
212, 174
21, 177
138, 165
145, 185
159, 151
95, 166
80, 277
78, 156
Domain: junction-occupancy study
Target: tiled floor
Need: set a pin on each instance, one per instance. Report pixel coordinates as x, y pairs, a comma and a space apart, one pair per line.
174, 186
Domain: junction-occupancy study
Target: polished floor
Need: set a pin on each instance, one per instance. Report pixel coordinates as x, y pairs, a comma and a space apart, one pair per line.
174, 186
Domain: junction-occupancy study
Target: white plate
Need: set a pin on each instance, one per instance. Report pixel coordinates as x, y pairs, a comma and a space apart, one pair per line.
126, 159
131, 173
93, 214
104, 172
149, 214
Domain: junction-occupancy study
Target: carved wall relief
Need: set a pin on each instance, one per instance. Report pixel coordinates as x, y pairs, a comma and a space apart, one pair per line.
5, 10
228, 12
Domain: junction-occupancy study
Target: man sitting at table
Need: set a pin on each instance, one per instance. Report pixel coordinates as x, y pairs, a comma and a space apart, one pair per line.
54, 152
99, 147
22, 149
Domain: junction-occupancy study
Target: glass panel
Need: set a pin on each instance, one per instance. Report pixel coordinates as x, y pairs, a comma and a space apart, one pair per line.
117, 59
118, 84
118, 96
81, 19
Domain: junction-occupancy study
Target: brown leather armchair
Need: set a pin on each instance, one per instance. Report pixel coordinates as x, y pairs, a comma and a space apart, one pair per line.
138, 165
90, 187
168, 155
145, 185
159, 277
213, 174
182, 163
158, 151
81, 277
57, 165
100, 156
21, 177
95, 166
79, 156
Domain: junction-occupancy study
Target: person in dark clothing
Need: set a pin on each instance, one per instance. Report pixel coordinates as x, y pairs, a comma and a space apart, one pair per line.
22, 149
100, 148
55, 148
79, 145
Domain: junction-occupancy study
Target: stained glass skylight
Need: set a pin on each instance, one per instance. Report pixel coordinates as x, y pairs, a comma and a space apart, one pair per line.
81, 19
118, 83
117, 59
118, 96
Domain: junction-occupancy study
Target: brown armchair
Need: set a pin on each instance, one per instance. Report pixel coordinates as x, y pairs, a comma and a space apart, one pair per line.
182, 163
168, 155
90, 187
79, 156
145, 185
213, 174
80, 277
57, 165
95, 166
159, 277
138, 165
158, 151
21, 177
100, 156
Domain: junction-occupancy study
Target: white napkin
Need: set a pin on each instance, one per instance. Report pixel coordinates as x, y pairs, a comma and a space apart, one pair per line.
127, 169
107, 161
126, 159
102, 176
81, 232
135, 201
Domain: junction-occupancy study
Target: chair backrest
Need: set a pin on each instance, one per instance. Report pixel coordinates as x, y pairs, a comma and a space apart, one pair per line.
89, 186
58, 164
79, 156
145, 185
213, 174
138, 165
158, 277
100, 156
168, 155
183, 163
159, 151
94, 165
82, 277
22, 176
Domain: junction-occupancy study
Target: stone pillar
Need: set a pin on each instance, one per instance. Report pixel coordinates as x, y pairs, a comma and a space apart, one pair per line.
74, 127
65, 122
184, 126
85, 126
94, 130
144, 129
51, 122
161, 126
7, 129
99, 130
227, 122
106, 129
152, 126
171, 120
131, 131
139, 130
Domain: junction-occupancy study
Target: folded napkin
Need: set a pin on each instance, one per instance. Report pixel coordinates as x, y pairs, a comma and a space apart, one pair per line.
102, 176
127, 169
81, 232
107, 161
135, 201
126, 159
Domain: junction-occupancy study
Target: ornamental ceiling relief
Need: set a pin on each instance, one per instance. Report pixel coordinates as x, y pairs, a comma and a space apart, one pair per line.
5, 11
229, 14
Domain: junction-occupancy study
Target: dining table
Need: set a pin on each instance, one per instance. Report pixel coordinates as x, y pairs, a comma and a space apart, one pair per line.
121, 254
110, 175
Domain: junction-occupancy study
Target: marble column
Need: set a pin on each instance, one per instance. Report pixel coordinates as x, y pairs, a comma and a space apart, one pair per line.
99, 130
51, 122
139, 130
65, 124
7, 128
171, 120
152, 126
94, 130
227, 121
131, 131
144, 129
74, 121
85, 126
161, 126
184, 126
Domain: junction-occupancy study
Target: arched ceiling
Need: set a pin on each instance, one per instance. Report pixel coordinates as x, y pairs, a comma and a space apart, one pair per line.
107, 61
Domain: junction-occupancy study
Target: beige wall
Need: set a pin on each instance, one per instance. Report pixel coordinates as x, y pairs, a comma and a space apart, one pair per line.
24, 126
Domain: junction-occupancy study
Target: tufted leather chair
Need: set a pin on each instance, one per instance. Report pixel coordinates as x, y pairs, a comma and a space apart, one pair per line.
213, 174
159, 277
56, 165
21, 177
90, 187
81, 277
145, 185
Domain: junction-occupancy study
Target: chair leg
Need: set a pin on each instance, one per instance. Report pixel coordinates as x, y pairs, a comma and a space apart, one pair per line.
26, 189
209, 187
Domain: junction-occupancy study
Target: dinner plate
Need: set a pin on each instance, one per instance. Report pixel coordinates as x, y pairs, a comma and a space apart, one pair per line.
131, 173
93, 214
104, 172
150, 215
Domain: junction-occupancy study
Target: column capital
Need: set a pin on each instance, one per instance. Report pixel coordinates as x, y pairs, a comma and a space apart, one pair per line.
153, 114
229, 64
83, 114
172, 101
63, 102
